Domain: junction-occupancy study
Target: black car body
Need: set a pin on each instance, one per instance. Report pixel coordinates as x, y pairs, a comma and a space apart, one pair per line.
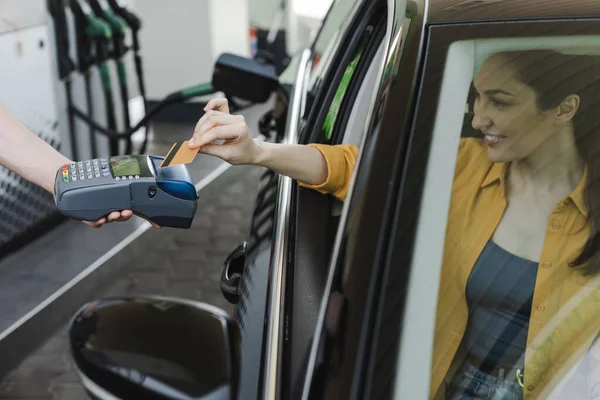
338, 301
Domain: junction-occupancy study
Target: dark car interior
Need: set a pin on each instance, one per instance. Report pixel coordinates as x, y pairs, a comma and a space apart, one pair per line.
317, 216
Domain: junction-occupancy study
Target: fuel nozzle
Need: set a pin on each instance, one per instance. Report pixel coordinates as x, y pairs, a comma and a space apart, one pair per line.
132, 20
96, 30
118, 26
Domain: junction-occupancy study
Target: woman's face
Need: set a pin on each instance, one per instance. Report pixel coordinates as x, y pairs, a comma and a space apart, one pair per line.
506, 113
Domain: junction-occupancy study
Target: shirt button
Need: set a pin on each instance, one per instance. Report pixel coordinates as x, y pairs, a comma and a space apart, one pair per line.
541, 307
556, 226
547, 264
530, 388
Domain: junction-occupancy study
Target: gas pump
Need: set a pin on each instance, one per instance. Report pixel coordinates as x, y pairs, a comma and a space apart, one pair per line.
135, 24
118, 51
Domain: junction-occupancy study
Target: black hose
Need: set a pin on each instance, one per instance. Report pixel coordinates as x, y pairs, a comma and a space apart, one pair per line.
111, 121
72, 132
174, 98
142, 88
126, 117
112, 133
88, 93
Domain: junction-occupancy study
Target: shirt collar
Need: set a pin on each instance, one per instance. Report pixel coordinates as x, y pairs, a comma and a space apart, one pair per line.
578, 194
497, 172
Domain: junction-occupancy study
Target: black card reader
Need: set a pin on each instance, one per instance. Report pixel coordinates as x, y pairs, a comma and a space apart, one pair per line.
89, 190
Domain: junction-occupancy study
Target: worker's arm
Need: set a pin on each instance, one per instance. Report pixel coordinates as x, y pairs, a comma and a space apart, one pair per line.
321, 167
27, 155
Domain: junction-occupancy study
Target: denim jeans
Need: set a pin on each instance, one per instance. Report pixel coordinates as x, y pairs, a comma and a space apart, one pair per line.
470, 383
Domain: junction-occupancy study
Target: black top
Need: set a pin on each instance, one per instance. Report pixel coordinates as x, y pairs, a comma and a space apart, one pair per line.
499, 295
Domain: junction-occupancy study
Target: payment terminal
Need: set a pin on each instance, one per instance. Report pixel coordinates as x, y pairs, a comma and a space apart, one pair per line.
90, 190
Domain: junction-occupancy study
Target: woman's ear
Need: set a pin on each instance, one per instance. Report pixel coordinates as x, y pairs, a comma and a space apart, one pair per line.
568, 108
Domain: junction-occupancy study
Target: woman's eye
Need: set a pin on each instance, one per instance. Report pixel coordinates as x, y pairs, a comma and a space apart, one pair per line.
497, 103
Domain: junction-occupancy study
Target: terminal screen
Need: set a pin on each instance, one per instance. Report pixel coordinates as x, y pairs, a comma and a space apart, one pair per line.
123, 166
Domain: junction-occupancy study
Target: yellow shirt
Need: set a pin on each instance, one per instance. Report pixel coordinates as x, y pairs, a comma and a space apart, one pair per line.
565, 315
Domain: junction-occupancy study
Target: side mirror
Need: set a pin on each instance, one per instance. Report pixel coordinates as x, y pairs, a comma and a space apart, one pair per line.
244, 78
155, 348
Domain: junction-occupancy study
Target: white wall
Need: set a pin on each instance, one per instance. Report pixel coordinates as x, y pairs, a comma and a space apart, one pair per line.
261, 12
181, 39
22, 13
175, 42
229, 27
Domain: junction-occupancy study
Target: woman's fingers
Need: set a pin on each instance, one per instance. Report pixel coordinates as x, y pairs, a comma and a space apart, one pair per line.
212, 129
215, 118
224, 132
235, 150
219, 103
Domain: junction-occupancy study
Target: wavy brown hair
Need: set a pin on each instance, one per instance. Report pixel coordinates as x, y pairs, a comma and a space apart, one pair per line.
553, 77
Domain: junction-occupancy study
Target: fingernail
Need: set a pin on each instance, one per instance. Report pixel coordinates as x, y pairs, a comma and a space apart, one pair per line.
192, 140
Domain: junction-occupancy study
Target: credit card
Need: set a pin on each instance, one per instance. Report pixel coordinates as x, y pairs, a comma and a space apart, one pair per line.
180, 153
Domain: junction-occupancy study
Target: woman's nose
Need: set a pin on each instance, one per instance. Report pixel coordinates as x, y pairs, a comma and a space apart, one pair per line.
480, 121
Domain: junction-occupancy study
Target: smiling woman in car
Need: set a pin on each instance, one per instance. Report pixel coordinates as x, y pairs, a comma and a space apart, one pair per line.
519, 298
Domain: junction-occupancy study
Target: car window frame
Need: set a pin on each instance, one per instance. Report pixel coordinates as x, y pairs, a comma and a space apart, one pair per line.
400, 65
412, 376
312, 233
355, 85
319, 98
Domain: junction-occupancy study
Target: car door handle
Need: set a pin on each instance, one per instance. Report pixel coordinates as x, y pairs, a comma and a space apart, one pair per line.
231, 273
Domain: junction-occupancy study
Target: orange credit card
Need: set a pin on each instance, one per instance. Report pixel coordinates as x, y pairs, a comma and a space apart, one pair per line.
180, 153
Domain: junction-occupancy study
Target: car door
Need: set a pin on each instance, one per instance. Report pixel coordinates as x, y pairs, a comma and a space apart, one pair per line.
314, 217
379, 322
333, 366
259, 269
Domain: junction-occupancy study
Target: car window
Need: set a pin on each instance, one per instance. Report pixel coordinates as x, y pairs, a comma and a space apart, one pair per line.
505, 254
334, 108
359, 109
332, 372
327, 43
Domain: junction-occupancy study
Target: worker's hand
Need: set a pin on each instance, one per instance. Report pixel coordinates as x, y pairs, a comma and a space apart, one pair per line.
112, 217
116, 216
238, 146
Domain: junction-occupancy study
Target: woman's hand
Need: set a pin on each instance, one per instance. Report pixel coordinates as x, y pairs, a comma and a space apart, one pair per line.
238, 146
300, 162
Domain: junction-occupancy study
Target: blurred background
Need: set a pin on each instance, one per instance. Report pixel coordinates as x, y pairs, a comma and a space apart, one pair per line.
112, 61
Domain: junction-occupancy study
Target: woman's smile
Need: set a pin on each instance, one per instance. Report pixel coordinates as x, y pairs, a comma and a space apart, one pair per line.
492, 140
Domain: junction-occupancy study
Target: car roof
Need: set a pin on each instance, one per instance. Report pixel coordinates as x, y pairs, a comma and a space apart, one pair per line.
452, 11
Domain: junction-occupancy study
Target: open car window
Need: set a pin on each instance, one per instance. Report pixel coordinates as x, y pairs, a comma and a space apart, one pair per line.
327, 43
504, 289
